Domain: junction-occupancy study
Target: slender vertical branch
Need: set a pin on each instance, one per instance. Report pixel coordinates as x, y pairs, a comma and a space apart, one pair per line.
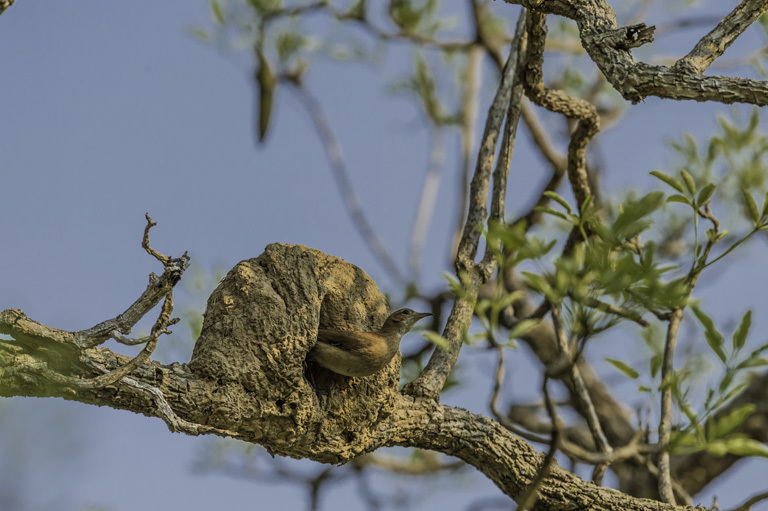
501, 172
582, 394
665, 423
432, 379
468, 119
530, 496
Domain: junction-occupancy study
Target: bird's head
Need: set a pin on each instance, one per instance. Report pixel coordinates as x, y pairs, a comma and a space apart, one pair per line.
402, 320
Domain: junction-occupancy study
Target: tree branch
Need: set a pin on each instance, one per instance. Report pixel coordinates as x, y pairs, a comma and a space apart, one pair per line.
714, 44
4, 4
432, 379
635, 81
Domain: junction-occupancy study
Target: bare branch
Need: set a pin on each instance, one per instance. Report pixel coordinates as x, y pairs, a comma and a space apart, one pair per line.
635, 81
665, 422
712, 45
531, 493
501, 172
165, 412
158, 288
747, 505
559, 102
432, 379
468, 118
616, 310
582, 394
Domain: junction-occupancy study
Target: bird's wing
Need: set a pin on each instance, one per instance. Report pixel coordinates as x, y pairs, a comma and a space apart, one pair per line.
343, 340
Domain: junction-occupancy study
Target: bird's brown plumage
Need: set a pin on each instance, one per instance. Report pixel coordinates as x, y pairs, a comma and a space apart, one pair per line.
354, 353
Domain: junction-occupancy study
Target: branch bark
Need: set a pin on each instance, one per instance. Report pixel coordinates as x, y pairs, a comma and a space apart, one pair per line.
608, 46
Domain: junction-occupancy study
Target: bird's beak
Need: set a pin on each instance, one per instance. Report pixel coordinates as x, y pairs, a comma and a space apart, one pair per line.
423, 314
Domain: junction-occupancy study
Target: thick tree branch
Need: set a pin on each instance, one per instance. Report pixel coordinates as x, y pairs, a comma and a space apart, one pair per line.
597, 26
560, 102
512, 464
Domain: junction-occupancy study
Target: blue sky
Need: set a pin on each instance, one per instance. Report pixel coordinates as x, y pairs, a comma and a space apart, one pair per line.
111, 110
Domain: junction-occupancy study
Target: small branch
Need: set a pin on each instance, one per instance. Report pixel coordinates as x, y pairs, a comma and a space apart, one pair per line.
665, 422
559, 102
478, 190
164, 259
341, 175
432, 379
165, 412
158, 288
714, 44
582, 394
681, 495
747, 505
501, 172
468, 118
159, 328
530, 496
616, 310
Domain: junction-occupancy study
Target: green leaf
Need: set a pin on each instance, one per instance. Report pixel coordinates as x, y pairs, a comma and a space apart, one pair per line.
753, 362
559, 214
742, 446
714, 338
705, 194
690, 184
740, 335
623, 367
682, 199
717, 448
267, 81
586, 204
436, 339
749, 200
218, 12
730, 421
538, 283
644, 388
201, 34
765, 205
522, 328
560, 200
655, 365
671, 181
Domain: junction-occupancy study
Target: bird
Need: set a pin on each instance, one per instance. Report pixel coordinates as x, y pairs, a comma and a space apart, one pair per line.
352, 353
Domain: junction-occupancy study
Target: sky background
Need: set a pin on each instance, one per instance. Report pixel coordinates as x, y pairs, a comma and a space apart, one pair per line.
110, 110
